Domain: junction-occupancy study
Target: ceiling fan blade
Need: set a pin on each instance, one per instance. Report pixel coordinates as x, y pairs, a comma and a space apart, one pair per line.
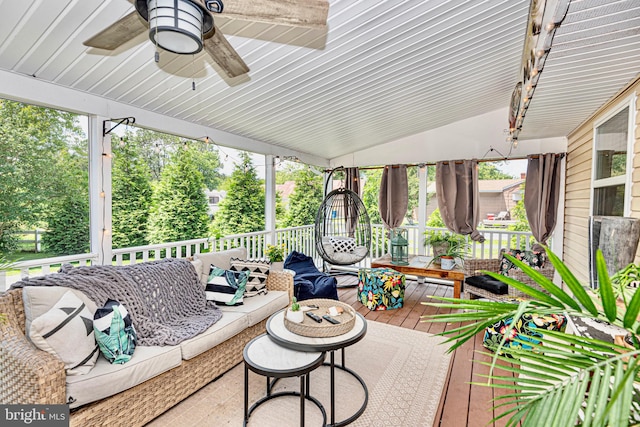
118, 33
221, 51
307, 13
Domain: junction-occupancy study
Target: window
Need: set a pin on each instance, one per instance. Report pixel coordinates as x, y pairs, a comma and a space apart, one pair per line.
214, 200
612, 164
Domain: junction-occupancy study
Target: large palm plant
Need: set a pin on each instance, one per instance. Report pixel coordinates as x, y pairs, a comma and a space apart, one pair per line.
564, 380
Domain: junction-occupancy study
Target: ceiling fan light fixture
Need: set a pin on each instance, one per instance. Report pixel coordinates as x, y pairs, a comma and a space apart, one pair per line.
176, 25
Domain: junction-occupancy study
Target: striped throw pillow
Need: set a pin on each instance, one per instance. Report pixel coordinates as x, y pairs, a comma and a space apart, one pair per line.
258, 271
66, 331
225, 286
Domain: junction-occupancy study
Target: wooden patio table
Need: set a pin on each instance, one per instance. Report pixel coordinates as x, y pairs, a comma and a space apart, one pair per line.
419, 266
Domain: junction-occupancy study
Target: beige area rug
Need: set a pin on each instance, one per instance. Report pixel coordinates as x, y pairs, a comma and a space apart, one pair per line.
404, 371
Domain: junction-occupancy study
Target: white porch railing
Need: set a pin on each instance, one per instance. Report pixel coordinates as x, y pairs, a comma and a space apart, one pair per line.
301, 239
39, 267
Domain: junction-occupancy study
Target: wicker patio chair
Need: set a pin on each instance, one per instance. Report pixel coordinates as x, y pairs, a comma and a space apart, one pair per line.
476, 266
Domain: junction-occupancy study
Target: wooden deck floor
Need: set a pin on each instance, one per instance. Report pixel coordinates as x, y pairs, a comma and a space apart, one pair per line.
461, 404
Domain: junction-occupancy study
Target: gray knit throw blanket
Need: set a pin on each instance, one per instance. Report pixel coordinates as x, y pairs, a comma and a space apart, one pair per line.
165, 298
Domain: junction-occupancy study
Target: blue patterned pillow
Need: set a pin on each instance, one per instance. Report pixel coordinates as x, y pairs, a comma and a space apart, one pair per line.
226, 286
115, 333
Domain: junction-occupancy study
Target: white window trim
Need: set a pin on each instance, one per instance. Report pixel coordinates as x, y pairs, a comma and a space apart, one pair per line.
625, 179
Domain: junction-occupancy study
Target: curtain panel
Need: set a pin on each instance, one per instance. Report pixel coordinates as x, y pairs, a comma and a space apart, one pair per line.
541, 194
394, 195
458, 200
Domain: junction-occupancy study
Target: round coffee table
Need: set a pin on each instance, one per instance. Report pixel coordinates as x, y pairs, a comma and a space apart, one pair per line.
284, 337
264, 357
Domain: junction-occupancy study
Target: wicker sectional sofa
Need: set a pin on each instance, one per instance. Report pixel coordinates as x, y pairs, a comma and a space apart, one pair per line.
31, 376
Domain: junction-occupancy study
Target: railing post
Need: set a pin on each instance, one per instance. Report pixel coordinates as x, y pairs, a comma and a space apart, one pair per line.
422, 206
270, 198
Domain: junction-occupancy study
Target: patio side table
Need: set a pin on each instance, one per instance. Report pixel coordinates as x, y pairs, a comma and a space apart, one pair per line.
265, 357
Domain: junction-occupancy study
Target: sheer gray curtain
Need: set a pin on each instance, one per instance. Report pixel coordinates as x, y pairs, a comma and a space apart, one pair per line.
457, 190
394, 195
541, 193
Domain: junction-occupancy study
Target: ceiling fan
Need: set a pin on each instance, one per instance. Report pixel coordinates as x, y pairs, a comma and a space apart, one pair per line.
187, 27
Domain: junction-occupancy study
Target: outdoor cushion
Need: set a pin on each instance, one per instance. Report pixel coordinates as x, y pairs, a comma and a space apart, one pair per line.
526, 329
38, 300
66, 331
532, 259
226, 287
229, 325
114, 331
342, 244
487, 283
309, 282
106, 379
258, 271
220, 259
259, 308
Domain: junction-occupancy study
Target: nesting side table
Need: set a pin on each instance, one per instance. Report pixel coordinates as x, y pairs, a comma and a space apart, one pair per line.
265, 357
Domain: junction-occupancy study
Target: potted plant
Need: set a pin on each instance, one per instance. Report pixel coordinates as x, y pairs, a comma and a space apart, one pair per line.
455, 253
275, 254
592, 380
294, 313
440, 241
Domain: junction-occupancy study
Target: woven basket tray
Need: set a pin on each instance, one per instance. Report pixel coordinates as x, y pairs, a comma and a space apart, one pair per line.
311, 328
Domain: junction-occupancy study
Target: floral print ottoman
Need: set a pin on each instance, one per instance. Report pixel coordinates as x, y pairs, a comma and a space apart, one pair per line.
525, 330
381, 288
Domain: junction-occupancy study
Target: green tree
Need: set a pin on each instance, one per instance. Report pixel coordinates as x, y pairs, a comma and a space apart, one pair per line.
487, 170
435, 219
31, 138
414, 191
179, 205
242, 210
370, 194
131, 196
287, 172
207, 161
305, 199
67, 218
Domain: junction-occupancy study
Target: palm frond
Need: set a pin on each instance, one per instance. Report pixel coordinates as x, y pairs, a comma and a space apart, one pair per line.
562, 379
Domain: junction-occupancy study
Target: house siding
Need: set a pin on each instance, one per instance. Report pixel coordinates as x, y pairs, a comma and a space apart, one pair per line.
578, 185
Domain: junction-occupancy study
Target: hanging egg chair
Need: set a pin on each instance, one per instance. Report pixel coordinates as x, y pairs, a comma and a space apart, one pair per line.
343, 228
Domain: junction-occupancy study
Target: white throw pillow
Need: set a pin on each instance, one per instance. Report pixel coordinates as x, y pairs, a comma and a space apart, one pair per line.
66, 331
343, 244
39, 299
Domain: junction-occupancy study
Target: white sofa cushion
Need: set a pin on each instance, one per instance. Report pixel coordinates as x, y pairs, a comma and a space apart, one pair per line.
229, 325
220, 259
259, 307
105, 379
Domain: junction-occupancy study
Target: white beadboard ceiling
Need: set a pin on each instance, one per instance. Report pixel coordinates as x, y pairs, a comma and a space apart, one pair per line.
381, 71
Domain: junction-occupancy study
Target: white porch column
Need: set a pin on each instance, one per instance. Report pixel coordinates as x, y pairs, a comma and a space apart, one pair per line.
100, 189
270, 195
557, 242
422, 207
